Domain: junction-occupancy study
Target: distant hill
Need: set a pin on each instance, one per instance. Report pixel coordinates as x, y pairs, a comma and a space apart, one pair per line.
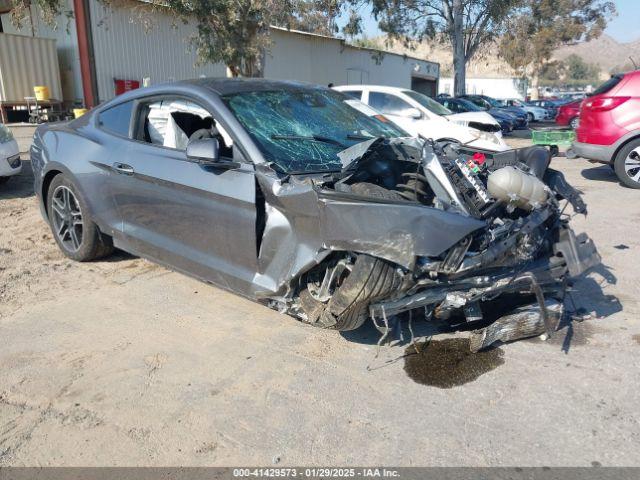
603, 51
486, 65
609, 54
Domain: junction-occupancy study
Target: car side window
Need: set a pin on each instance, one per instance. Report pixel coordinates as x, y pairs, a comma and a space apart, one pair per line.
386, 103
357, 94
478, 101
453, 106
116, 119
173, 122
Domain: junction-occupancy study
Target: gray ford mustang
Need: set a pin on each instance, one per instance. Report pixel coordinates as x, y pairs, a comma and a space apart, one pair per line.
290, 195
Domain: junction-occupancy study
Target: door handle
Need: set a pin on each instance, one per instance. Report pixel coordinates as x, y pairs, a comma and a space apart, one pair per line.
123, 168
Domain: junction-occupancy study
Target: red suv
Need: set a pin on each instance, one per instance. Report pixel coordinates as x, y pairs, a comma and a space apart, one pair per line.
609, 128
568, 114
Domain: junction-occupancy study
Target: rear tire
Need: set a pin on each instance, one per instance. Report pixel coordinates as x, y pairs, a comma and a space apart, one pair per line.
4, 180
627, 164
76, 234
370, 279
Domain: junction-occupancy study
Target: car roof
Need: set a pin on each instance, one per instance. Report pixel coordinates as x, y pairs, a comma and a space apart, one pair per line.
228, 86
381, 88
219, 86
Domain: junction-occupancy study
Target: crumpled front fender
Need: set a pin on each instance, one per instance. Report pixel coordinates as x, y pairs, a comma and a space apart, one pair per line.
398, 232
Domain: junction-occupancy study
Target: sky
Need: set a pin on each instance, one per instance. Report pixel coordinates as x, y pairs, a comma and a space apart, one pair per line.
623, 28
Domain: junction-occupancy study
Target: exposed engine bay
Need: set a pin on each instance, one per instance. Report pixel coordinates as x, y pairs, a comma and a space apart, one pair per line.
513, 245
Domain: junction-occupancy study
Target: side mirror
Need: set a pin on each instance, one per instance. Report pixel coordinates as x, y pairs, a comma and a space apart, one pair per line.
413, 113
204, 150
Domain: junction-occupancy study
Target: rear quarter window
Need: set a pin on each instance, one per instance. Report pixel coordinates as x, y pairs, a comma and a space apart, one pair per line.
116, 119
608, 85
357, 94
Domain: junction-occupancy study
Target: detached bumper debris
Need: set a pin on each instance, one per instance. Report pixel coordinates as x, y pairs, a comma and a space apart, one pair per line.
523, 322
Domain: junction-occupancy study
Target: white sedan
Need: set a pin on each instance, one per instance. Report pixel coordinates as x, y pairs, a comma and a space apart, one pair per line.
420, 115
10, 163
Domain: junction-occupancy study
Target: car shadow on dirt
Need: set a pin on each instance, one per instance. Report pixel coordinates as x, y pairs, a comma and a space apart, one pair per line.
19, 186
601, 173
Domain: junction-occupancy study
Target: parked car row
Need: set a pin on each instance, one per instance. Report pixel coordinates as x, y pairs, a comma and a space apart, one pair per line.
569, 114
461, 105
422, 116
510, 113
534, 112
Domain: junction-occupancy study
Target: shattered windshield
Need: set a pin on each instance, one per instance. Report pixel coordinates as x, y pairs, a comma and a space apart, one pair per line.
303, 130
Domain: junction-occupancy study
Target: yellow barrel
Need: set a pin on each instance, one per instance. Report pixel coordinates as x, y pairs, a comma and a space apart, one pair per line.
78, 112
42, 93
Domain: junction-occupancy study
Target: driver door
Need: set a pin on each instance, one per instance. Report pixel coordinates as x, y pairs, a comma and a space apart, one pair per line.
194, 218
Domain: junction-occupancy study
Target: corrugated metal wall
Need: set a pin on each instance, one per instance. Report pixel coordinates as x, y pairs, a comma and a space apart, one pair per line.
64, 33
26, 62
124, 50
322, 60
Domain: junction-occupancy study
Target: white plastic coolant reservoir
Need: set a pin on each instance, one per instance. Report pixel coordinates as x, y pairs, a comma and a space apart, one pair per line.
516, 187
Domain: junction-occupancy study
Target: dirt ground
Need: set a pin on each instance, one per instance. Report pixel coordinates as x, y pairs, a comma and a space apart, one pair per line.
121, 362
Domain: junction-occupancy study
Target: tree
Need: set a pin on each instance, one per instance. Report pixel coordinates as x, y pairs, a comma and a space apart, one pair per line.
49, 10
465, 24
235, 32
316, 16
579, 72
573, 71
539, 27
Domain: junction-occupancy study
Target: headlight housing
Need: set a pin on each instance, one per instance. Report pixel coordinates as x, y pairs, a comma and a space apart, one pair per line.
490, 137
5, 134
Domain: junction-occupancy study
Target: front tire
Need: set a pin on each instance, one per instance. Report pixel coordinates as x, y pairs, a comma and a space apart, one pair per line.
574, 123
369, 279
627, 164
73, 230
530, 117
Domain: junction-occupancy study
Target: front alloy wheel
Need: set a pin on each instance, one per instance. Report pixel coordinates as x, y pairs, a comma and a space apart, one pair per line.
67, 218
74, 231
627, 164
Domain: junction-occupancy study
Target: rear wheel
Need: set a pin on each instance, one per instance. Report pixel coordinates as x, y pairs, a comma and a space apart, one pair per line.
76, 235
4, 180
627, 164
338, 296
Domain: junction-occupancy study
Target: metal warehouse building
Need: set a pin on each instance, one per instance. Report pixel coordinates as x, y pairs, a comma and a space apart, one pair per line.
102, 45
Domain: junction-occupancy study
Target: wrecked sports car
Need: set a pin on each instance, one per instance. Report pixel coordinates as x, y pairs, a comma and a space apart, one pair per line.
285, 194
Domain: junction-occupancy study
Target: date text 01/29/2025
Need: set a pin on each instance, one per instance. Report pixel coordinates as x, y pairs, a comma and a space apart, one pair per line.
318, 472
